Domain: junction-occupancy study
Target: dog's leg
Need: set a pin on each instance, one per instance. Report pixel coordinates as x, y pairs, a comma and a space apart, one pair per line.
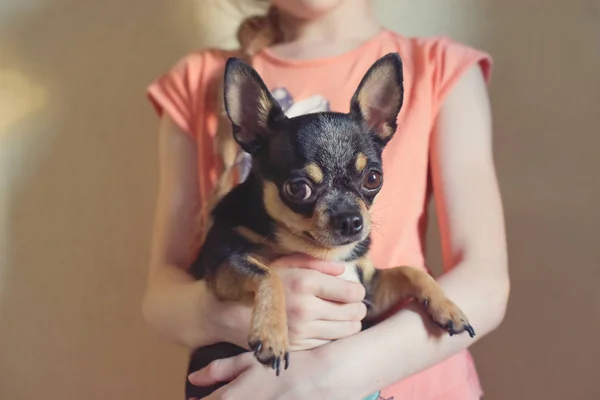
245, 279
387, 287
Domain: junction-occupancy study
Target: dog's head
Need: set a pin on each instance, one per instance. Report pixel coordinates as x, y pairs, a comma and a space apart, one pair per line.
320, 172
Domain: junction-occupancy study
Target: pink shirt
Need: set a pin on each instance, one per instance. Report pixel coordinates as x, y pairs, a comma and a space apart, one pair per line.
431, 68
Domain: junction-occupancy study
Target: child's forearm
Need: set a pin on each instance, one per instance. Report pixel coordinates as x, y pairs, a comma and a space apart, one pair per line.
407, 342
182, 310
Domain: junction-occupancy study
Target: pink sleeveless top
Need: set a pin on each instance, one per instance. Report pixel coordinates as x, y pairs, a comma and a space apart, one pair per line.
431, 68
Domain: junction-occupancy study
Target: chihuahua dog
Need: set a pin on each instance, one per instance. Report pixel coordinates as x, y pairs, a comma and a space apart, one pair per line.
313, 180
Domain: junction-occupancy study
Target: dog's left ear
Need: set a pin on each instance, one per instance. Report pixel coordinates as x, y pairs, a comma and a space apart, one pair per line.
249, 105
379, 96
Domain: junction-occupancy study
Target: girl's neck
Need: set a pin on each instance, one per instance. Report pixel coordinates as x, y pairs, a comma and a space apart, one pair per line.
338, 31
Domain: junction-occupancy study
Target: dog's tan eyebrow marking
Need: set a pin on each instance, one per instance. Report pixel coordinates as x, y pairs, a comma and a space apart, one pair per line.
361, 162
315, 172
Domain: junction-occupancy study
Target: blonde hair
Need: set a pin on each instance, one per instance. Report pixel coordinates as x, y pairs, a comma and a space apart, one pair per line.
255, 33
259, 31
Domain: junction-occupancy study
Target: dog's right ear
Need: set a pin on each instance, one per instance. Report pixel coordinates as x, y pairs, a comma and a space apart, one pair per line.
379, 96
249, 105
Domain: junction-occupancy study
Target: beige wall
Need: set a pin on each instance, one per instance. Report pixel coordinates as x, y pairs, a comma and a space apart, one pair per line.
78, 177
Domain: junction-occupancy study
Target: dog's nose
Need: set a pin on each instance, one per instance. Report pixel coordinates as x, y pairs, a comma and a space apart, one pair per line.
348, 224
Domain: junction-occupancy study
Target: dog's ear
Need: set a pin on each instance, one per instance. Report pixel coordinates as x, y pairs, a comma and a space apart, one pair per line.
379, 96
249, 105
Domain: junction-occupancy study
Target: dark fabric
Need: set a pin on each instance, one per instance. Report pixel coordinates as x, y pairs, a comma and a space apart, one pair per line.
201, 358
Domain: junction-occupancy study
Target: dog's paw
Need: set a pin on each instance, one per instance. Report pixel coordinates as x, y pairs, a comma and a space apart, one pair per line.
448, 316
269, 341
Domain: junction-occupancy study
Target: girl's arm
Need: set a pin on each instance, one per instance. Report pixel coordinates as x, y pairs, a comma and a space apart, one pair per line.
472, 225
174, 304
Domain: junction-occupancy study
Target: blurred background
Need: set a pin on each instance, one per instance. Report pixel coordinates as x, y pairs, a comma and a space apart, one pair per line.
78, 176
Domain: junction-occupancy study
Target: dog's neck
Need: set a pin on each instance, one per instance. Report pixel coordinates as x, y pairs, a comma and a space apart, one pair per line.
296, 243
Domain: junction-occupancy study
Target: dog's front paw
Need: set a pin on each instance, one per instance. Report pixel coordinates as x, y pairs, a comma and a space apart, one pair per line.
448, 316
269, 341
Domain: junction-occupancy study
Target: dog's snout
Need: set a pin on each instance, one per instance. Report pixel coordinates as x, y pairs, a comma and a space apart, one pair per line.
348, 223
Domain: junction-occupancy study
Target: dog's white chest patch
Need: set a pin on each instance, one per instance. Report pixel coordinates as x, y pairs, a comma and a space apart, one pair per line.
350, 274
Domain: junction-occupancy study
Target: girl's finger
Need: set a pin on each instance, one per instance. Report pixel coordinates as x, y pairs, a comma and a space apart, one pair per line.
330, 311
339, 290
304, 262
223, 370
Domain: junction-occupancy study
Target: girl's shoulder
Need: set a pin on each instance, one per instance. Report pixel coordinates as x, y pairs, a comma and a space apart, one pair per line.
438, 52
203, 61
434, 64
181, 90
430, 45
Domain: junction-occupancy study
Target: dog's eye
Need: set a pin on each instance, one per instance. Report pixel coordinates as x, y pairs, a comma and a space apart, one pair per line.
298, 190
372, 180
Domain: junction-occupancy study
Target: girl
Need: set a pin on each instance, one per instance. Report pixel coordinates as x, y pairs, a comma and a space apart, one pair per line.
312, 55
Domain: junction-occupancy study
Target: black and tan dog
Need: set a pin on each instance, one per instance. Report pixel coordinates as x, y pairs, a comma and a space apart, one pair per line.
313, 180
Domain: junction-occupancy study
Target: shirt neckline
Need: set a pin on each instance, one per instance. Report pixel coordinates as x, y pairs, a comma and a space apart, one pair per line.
269, 55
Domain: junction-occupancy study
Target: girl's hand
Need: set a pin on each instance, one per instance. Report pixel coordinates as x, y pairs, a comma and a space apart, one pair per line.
320, 306
306, 378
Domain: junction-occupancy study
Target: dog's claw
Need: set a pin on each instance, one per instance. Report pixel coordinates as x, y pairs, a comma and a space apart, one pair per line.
268, 357
470, 330
450, 328
276, 365
447, 316
257, 347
